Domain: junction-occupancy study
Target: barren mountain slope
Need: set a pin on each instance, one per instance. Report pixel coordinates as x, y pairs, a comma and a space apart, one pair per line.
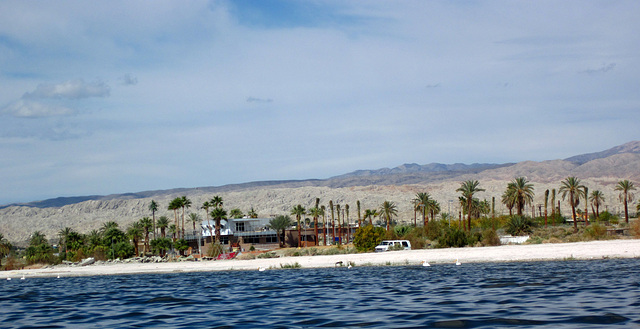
273, 198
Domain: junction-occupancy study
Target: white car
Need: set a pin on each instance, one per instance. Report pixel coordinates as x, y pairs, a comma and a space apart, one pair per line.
387, 245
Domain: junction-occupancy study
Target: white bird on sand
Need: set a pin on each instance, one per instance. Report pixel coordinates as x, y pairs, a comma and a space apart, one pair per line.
58, 277
458, 262
22, 278
349, 266
425, 263
261, 269
8, 279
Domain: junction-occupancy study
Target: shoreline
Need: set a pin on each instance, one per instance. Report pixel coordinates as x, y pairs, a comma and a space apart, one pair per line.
625, 248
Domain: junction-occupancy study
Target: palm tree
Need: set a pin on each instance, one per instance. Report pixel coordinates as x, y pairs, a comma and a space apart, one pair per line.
333, 229
173, 229
433, 208
184, 203
298, 211
422, 199
521, 191
339, 225
175, 205
134, 232
162, 224
388, 209
280, 224
216, 201
597, 199
324, 224
218, 214
153, 206
194, 218
252, 213
146, 223
315, 212
206, 205
359, 218
5, 246
572, 187
235, 213
626, 195
468, 189
546, 203
63, 234
553, 204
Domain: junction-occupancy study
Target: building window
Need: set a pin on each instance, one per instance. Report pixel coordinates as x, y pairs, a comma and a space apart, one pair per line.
240, 227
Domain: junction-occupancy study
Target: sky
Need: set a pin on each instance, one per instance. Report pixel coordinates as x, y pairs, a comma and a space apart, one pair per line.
103, 97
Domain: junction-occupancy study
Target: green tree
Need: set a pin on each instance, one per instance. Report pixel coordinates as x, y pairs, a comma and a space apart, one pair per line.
63, 234
146, 223
315, 212
236, 213
161, 245
206, 205
597, 199
626, 195
39, 249
422, 201
468, 189
134, 232
153, 207
298, 211
5, 246
388, 209
521, 191
162, 224
185, 203
252, 213
572, 188
368, 237
218, 214
280, 224
174, 205
194, 218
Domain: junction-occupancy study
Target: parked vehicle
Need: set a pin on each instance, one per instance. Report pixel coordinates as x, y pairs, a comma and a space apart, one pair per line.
387, 245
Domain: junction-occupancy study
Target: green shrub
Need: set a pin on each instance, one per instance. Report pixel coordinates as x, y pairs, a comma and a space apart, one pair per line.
519, 225
453, 237
269, 254
368, 237
595, 231
490, 238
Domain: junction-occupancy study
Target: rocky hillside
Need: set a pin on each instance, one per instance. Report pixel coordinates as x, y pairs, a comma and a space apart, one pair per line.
599, 170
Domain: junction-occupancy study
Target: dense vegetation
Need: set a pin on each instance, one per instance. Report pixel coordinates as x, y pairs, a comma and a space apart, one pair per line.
475, 225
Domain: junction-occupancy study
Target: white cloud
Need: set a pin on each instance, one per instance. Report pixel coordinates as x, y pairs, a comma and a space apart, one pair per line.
75, 89
31, 109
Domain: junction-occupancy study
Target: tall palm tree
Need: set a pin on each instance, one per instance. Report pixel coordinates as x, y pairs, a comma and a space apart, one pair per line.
333, 228
63, 234
153, 206
162, 224
194, 218
359, 218
315, 212
346, 210
324, 224
586, 206
218, 214
134, 232
553, 203
280, 224
422, 199
546, 203
468, 189
235, 213
388, 209
174, 205
572, 188
146, 223
298, 211
339, 225
252, 213
206, 205
626, 195
521, 191
216, 201
184, 203
597, 199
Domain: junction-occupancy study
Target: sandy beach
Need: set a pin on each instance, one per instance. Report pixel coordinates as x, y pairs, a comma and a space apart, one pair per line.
507, 253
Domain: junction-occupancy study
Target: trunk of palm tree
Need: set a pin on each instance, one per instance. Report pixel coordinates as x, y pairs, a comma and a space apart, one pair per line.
546, 200
586, 206
324, 226
626, 209
359, 218
348, 228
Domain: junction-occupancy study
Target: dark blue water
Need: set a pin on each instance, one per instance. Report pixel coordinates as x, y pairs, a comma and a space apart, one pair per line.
569, 294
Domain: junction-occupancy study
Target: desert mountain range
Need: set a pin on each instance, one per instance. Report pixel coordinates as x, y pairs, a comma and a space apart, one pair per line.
599, 170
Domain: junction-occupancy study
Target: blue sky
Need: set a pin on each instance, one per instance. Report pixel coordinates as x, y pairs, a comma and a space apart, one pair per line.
126, 96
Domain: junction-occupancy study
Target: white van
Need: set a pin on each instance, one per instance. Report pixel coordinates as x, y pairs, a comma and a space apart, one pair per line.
387, 245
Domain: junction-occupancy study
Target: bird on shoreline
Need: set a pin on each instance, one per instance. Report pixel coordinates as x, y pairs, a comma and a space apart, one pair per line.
261, 269
425, 263
458, 262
